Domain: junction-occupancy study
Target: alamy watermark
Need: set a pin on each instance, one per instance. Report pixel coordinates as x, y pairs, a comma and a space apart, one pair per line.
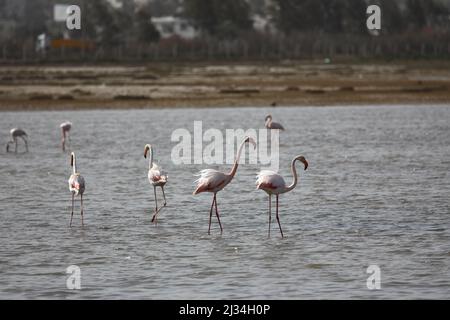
373, 21
213, 146
374, 280
73, 281
73, 18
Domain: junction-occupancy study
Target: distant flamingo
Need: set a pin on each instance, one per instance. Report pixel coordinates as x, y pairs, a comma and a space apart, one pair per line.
213, 181
272, 183
15, 134
65, 129
76, 186
157, 178
272, 125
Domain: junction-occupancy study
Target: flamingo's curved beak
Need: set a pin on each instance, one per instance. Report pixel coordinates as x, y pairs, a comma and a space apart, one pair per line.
71, 160
303, 160
145, 153
252, 142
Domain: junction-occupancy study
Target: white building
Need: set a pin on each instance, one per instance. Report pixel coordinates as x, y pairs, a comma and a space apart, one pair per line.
263, 24
173, 26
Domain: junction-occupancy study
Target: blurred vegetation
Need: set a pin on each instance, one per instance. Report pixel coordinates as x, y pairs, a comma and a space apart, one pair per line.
227, 26
225, 19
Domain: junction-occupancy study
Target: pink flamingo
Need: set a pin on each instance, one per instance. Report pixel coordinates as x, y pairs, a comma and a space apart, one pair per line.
156, 177
272, 125
65, 129
273, 183
15, 134
76, 186
213, 181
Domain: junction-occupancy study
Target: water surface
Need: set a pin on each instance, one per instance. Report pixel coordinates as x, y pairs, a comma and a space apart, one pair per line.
376, 192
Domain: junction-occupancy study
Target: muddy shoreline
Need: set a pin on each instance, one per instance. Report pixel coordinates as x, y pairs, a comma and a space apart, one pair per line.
222, 85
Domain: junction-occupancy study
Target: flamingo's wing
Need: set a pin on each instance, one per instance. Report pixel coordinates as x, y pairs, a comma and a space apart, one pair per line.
156, 174
81, 184
17, 132
276, 125
209, 179
267, 179
67, 125
76, 183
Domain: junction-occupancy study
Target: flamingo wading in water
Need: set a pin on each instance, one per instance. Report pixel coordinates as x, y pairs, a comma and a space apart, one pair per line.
76, 186
272, 125
157, 178
213, 181
273, 183
65, 130
15, 134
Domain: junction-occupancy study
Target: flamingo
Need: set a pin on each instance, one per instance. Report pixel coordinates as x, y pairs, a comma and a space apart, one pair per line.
272, 125
213, 181
15, 134
76, 186
157, 178
273, 183
65, 129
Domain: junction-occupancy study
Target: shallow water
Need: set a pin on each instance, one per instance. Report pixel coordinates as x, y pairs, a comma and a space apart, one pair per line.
376, 192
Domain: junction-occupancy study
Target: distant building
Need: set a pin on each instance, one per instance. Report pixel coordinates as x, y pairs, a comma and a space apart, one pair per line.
263, 24
174, 27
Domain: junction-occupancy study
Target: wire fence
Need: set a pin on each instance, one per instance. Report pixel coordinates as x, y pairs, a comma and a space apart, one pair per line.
301, 46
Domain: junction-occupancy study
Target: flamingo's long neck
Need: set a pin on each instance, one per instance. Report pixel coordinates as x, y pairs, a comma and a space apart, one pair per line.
150, 164
295, 178
268, 122
236, 161
74, 164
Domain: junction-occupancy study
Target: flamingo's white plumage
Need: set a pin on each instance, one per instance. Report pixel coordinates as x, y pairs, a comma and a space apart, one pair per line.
65, 129
273, 183
76, 186
157, 178
213, 181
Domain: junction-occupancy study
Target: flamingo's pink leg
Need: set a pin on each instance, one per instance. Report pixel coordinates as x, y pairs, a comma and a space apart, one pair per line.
156, 208
210, 214
71, 216
270, 212
26, 143
82, 211
164, 196
217, 214
63, 140
278, 219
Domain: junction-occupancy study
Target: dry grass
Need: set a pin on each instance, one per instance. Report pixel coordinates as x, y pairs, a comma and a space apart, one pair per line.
203, 85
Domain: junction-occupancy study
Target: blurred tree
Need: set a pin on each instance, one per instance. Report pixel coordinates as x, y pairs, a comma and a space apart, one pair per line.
416, 14
421, 13
145, 30
103, 23
392, 19
160, 8
202, 12
36, 14
331, 16
354, 20
298, 15
220, 18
